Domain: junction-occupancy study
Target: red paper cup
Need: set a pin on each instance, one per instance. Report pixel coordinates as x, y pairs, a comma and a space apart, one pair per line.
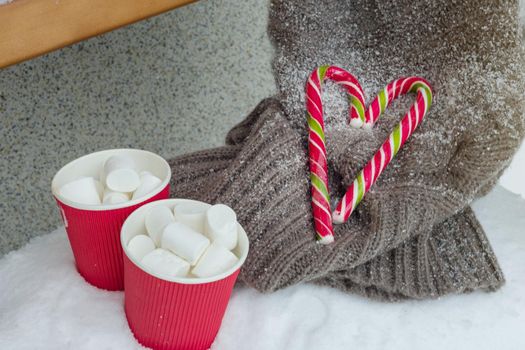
94, 230
174, 313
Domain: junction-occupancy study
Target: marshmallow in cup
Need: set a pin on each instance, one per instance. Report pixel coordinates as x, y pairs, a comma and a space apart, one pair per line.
163, 262
156, 220
148, 182
84, 190
140, 246
120, 174
221, 225
184, 242
191, 214
215, 260
112, 197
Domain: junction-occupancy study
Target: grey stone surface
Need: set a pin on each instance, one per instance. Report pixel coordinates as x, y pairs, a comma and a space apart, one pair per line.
171, 84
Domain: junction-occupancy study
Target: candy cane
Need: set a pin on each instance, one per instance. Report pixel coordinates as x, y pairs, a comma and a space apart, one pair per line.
369, 174
316, 140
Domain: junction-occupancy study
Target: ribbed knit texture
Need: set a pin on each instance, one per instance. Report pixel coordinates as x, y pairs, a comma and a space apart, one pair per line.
413, 235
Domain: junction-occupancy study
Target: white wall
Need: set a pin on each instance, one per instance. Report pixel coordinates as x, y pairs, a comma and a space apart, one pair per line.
514, 177
522, 11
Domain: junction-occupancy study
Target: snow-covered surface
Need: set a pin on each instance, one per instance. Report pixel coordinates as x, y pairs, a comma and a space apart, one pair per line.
45, 304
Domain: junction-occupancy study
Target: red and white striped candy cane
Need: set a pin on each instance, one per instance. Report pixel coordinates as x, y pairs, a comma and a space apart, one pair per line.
316, 140
369, 174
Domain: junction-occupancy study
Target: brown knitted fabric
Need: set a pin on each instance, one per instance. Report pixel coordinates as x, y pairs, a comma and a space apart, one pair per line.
262, 173
413, 235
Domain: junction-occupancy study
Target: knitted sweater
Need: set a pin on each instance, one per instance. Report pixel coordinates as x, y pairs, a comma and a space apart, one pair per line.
413, 235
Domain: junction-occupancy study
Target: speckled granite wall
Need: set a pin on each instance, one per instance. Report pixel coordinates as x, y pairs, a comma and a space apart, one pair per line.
172, 84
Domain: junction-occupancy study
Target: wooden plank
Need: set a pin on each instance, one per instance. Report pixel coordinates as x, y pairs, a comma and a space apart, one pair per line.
30, 28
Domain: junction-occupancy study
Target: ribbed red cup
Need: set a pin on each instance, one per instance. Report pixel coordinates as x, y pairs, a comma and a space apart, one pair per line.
176, 313
94, 230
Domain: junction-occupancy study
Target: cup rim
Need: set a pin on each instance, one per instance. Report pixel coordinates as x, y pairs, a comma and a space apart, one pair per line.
181, 280
103, 207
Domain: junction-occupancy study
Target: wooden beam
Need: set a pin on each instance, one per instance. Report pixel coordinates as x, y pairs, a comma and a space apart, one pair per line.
29, 28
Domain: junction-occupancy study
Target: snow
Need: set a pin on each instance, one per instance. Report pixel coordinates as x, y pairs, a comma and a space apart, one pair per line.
45, 304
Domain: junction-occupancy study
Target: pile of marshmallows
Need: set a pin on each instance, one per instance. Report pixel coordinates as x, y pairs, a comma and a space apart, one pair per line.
120, 181
193, 237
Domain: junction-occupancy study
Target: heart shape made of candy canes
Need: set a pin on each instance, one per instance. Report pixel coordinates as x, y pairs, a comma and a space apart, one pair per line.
359, 117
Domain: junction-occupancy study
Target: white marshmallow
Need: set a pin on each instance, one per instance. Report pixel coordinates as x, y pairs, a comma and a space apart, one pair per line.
102, 176
120, 173
85, 190
100, 188
165, 263
156, 220
140, 245
216, 260
111, 197
185, 242
221, 225
191, 214
148, 182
